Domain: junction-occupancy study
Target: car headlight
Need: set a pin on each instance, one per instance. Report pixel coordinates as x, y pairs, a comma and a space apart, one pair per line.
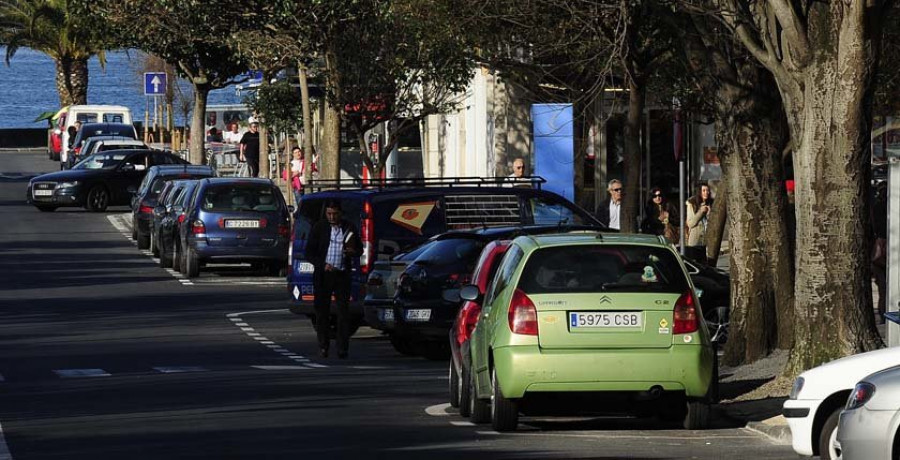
71, 184
798, 385
861, 395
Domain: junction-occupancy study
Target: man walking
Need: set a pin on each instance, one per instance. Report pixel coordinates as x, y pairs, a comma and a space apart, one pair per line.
333, 248
250, 149
610, 210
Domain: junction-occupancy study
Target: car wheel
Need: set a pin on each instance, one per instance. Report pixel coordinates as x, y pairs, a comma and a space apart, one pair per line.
133, 231
697, 415
154, 244
403, 345
191, 264
453, 383
98, 199
176, 258
165, 256
143, 241
479, 409
504, 411
828, 437
44, 208
465, 393
717, 324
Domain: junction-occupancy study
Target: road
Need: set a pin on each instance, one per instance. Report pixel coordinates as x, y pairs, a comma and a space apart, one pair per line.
105, 355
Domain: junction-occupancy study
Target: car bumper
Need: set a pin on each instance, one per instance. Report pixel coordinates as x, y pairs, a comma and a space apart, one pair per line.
60, 197
864, 434
379, 314
525, 368
409, 322
278, 251
801, 425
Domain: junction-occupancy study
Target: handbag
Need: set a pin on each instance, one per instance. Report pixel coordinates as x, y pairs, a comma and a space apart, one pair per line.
671, 233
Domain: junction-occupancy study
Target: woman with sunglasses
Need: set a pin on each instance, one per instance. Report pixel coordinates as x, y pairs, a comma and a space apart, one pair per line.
661, 218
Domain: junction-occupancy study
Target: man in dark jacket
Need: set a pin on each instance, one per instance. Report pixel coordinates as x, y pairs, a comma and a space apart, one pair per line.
333, 248
609, 210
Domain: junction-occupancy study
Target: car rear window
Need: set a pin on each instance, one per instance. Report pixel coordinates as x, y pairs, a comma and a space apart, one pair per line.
602, 268
449, 251
240, 197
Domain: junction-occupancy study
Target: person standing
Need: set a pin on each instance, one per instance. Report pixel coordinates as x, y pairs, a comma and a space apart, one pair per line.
610, 210
661, 217
333, 248
250, 149
698, 207
297, 167
233, 135
518, 173
878, 220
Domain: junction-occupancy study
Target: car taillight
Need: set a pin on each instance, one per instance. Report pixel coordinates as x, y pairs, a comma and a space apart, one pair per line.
456, 280
468, 318
522, 314
77, 150
685, 315
367, 238
181, 218
198, 227
284, 230
145, 209
263, 222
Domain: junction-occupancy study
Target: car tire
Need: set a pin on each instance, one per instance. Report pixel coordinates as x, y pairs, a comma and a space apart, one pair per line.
479, 409
44, 208
717, 323
166, 259
697, 415
154, 244
465, 393
143, 241
504, 411
97, 199
453, 384
828, 434
176, 258
133, 231
403, 345
191, 264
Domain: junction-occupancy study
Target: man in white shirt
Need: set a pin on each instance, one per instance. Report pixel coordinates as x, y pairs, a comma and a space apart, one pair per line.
610, 210
233, 135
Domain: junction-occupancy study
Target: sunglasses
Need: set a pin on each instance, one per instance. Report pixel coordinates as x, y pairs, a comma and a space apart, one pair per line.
657, 196
617, 190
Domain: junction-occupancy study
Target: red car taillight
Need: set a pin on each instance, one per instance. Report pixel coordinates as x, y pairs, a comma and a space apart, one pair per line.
522, 314
468, 318
198, 227
456, 280
284, 230
685, 315
181, 218
368, 239
145, 209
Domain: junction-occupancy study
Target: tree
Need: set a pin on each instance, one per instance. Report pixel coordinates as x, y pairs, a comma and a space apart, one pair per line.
197, 40
823, 57
51, 27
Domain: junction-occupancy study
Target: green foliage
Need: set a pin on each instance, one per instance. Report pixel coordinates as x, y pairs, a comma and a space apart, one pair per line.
48, 26
279, 106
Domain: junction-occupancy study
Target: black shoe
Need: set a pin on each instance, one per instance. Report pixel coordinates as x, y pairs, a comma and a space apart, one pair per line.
323, 352
342, 355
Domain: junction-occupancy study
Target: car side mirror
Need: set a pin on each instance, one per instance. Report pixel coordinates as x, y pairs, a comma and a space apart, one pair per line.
470, 292
451, 295
131, 189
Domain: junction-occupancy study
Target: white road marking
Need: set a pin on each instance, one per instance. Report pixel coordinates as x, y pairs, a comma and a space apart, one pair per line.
4, 449
316, 365
458, 423
242, 324
238, 321
180, 369
282, 368
438, 410
232, 315
78, 373
247, 329
266, 342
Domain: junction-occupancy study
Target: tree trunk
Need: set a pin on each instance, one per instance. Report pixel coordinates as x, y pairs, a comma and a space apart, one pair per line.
715, 233
307, 124
761, 277
198, 131
633, 122
72, 81
329, 157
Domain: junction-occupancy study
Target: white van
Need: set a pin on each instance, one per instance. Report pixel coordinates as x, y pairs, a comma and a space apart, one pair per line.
87, 114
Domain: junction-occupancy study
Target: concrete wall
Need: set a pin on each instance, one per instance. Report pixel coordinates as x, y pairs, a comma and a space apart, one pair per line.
23, 138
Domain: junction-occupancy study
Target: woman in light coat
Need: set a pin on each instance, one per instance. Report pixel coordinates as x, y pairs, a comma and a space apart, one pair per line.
698, 207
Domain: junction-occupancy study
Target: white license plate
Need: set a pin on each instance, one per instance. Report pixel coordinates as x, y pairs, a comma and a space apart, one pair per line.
306, 267
594, 319
418, 315
241, 223
387, 314
43, 193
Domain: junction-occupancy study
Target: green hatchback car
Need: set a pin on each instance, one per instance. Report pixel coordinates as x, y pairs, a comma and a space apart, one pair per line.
591, 323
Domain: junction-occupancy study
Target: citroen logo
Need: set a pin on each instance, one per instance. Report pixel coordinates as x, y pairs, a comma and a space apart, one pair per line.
605, 299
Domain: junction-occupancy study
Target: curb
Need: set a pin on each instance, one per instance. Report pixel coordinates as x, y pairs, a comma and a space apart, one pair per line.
773, 428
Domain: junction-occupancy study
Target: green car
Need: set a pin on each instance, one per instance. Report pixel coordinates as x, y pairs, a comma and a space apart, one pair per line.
591, 322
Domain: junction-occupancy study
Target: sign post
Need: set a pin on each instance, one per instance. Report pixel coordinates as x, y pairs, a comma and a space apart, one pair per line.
154, 87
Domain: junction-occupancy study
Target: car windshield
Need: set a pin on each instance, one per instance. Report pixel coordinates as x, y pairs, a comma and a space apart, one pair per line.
448, 251
100, 161
240, 197
602, 268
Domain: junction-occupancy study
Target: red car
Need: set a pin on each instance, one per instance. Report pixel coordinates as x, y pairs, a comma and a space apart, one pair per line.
485, 269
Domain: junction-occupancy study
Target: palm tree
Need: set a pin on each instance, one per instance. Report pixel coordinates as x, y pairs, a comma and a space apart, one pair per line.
50, 27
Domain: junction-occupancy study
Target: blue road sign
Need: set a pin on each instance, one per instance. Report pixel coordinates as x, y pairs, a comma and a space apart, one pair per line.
154, 83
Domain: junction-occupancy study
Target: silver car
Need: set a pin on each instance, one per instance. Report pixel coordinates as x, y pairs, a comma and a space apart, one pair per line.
869, 427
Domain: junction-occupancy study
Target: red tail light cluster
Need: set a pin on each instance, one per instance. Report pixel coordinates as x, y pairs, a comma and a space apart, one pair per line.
367, 237
198, 227
458, 280
522, 314
144, 209
686, 317
284, 230
181, 218
468, 318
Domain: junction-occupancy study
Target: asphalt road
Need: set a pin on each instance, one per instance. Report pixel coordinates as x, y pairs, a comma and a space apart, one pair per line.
104, 355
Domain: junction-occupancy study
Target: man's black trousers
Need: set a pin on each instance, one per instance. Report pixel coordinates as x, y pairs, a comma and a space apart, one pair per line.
326, 284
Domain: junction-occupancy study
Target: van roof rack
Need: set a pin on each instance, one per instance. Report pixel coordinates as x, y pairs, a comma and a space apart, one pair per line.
378, 184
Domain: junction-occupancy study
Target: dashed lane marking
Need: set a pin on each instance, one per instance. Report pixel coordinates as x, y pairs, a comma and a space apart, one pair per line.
249, 331
438, 410
282, 368
179, 369
80, 373
461, 423
4, 449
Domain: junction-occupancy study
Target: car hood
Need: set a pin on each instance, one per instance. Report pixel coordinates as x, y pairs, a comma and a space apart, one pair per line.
70, 175
843, 374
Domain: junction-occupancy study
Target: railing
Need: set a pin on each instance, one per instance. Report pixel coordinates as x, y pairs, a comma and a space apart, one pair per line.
341, 184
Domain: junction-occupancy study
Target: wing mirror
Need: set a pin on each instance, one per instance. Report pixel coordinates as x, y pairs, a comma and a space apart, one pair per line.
451, 295
470, 292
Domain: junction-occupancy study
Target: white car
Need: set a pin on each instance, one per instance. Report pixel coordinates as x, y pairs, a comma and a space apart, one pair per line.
870, 425
819, 396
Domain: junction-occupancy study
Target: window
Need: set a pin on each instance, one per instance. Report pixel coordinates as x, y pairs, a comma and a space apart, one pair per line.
242, 197
546, 212
450, 251
504, 274
602, 268
113, 118
86, 117
144, 184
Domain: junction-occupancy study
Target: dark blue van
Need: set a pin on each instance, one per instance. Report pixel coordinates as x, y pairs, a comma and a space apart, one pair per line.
393, 218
